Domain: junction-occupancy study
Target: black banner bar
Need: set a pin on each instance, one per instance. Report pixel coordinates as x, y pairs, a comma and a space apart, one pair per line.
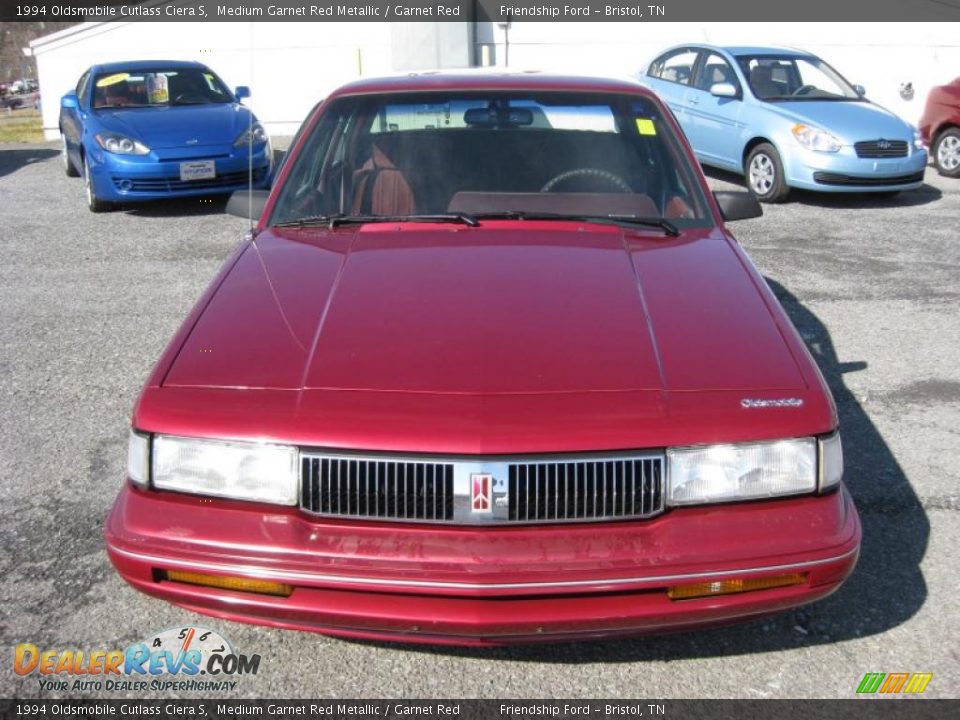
620, 709
501, 11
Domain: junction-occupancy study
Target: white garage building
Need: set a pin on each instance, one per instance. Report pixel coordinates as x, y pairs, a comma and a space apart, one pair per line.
292, 65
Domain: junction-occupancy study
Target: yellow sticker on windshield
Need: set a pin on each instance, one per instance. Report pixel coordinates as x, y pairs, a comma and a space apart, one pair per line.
112, 79
645, 126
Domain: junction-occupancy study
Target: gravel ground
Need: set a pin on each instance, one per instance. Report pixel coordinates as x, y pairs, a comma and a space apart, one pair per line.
88, 302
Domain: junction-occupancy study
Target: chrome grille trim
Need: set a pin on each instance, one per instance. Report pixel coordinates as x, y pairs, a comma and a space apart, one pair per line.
882, 148
585, 490
533, 489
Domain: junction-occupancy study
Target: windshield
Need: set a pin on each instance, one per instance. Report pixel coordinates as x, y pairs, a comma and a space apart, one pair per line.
153, 88
552, 154
776, 78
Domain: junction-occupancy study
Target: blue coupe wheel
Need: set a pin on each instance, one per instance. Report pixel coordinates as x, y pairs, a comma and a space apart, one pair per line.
68, 167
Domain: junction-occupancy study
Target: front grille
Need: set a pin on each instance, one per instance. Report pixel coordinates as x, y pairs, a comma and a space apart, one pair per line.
371, 488
825, 178
484, 491
586, 490
175, 184
881, 148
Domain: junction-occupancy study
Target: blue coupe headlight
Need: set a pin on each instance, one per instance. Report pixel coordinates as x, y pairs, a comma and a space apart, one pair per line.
815, 139
255, 135
120, 144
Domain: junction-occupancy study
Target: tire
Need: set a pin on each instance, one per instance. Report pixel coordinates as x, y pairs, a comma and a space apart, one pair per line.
764, 174
94, 204
68, 167
946, 153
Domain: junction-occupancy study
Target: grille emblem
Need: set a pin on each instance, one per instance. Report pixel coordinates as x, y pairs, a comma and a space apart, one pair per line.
883, 144
480, 490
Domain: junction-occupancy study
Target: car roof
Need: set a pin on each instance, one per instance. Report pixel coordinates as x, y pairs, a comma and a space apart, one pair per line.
736, 50
145, 65
488, 80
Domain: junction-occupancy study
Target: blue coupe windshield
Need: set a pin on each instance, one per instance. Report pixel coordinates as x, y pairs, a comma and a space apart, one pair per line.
790, 77
157, 87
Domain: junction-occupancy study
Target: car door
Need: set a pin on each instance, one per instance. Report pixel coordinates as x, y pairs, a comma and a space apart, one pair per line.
669, 76
716, 120
71, 119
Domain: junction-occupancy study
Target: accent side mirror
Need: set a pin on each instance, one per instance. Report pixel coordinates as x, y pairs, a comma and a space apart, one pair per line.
737, 205
860, 90
723, 90
70, 101
247, 203
242, 92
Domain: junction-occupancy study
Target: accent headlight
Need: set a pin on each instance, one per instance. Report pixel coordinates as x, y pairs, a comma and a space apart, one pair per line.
725, 473
238, 470
815, 139
255, 134
120, 144
138, 459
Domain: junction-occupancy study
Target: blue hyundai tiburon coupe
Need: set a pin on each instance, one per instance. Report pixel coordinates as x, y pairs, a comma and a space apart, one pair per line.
157, 129
785, 119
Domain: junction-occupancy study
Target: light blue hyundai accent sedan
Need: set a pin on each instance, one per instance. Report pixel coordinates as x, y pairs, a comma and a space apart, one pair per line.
785, 119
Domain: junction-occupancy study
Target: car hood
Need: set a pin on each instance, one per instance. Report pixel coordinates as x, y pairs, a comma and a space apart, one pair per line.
177, 126
550, 338
849, 121
487, 312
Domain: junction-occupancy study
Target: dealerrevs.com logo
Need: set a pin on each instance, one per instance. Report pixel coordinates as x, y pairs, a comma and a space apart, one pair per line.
187, 659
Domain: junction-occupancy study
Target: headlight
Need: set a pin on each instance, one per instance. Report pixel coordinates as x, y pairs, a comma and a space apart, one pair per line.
918, 140
138, 458
724, 473
255, 134
120, 144
814, 139
239, 470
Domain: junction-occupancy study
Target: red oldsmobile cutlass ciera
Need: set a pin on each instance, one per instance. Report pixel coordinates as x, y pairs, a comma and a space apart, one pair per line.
490, 369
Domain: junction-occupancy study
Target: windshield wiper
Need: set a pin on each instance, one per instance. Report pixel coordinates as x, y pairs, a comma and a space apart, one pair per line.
655, 222
340, 219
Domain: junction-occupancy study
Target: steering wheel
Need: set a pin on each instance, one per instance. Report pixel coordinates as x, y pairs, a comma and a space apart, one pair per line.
189, 97
804, 90
593, 174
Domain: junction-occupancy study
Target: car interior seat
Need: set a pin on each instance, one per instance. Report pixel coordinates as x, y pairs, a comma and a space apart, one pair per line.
379, 188
761, 80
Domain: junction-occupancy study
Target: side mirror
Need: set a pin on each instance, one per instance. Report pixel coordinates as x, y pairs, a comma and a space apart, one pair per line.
737, 205
70, 101
860, 90
242, 92
723, 90
248, 203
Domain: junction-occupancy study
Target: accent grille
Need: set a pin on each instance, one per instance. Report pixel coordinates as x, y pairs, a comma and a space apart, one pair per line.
586, 490
881, 148
175, 184
370, 488
825, 178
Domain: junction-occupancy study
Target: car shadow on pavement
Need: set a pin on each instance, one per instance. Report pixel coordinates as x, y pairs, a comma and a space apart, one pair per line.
924, 195
177, 207
885, 590
12, 159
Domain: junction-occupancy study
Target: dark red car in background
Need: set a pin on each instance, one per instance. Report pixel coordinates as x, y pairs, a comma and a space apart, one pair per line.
491, 369
940, 127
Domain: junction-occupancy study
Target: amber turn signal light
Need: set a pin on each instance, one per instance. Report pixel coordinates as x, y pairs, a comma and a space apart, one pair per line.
251, 585
726, 587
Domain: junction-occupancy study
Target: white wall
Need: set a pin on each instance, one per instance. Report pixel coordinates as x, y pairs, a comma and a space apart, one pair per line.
879, 56
289, 66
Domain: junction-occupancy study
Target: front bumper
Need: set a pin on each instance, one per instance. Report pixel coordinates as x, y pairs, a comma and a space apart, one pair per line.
482, 585
845, 172
128, 178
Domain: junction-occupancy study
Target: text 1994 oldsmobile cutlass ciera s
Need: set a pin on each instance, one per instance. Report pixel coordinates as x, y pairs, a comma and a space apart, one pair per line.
491, 369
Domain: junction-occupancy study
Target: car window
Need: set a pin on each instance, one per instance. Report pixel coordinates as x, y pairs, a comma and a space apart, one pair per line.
676, 66
776, 78
476, 152
82, 87
713, 70
160, 86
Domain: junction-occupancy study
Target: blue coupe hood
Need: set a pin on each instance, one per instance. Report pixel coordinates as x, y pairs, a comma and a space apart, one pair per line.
849, 121
177, 126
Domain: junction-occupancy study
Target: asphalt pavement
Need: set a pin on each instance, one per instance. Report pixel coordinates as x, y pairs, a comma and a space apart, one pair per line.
87, 303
